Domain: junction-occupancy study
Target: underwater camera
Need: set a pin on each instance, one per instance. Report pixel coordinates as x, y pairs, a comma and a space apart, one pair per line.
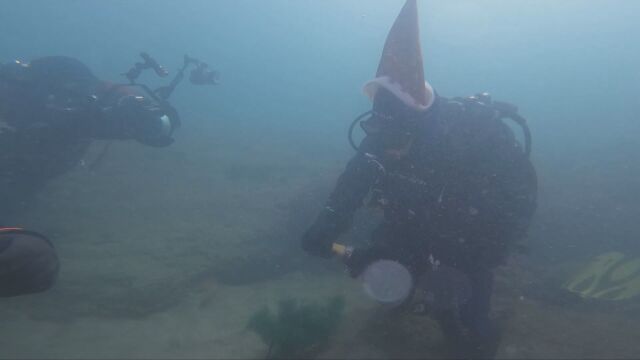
135, 111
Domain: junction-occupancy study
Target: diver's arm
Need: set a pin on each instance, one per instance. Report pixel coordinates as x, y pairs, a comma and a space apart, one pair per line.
351, 188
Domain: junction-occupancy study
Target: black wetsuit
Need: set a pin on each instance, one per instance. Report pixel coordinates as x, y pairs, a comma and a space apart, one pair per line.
462, 196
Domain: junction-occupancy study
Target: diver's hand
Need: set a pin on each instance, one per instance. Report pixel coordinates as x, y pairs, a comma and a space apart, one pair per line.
355, 260
318, 239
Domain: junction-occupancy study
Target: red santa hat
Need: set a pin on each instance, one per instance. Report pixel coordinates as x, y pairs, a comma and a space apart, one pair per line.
401, 69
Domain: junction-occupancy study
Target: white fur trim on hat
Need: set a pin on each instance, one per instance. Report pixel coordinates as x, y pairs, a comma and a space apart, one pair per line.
371, 88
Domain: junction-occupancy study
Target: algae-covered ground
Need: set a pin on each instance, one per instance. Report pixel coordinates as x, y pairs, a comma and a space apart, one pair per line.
167, 253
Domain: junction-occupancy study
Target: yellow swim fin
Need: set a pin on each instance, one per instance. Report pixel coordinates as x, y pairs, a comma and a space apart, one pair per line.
609, 276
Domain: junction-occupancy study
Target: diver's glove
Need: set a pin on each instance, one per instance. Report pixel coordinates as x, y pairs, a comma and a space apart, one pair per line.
318, 239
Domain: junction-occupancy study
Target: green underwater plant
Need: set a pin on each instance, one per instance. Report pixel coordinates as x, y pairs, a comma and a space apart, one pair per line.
297, 329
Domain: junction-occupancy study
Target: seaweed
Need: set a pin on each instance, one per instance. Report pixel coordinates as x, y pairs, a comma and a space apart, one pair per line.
297, 330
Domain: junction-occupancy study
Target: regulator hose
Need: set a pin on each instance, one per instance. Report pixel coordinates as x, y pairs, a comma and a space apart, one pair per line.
353, 125
510, 111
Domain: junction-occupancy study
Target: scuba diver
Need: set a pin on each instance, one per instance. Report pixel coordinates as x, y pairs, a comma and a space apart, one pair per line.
456, 188
50, 110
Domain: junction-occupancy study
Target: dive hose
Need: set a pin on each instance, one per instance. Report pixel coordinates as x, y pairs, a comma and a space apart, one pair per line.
353, 125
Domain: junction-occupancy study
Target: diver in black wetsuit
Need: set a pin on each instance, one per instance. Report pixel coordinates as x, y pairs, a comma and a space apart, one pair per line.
50, 111
456, 188
53, 107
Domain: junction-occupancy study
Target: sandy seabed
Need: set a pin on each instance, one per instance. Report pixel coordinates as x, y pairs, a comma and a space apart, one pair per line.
141, 237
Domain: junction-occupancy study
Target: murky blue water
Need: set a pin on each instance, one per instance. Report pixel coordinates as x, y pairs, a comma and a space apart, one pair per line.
257, 153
